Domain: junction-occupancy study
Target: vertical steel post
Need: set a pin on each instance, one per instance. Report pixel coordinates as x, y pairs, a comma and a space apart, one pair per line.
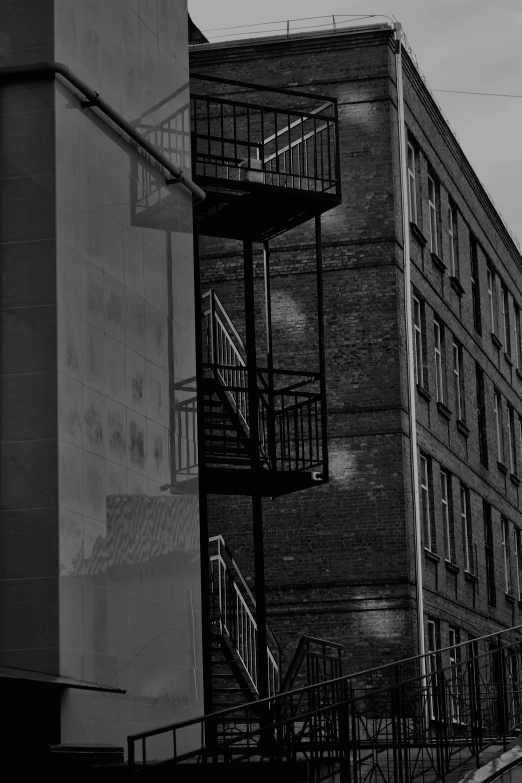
203, 521
257, 504
320, 339
269, 358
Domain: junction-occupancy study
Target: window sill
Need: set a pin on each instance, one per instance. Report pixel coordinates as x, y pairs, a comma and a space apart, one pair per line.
443, 410
457, 285
453, 567
418, 235
431, 555
496, 342
469, 577
502, 468
462, 428
514, 479
508, 359
424, 393
510, 599
439, 263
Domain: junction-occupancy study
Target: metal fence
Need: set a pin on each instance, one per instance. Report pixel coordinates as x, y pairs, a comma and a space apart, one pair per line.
416, 720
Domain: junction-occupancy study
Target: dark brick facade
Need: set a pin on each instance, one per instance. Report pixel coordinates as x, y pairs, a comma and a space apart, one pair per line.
340, 559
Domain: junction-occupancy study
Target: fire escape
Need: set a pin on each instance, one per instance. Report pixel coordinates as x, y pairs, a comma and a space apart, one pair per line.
267, 164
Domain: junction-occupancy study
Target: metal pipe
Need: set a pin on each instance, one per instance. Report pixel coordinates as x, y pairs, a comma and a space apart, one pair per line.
203, 519
257, 507
47, 70
409, 349
321, 342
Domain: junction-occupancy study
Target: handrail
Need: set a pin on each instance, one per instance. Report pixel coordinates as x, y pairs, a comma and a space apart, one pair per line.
237, 619
407, 726
213, 296
261, 87
302, 649
44, 70
293, 124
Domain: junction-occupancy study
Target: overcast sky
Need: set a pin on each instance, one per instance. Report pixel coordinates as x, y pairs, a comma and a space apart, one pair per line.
473, 45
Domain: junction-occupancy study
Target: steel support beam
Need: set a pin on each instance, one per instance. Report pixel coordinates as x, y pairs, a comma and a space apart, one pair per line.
257, 503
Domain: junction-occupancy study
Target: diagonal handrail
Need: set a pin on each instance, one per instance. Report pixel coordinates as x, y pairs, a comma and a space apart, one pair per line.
234, 610
395, 721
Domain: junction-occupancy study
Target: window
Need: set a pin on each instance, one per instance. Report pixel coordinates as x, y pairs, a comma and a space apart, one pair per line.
512, 441
467, 529
481, 416
488, 554
493, 299
418, 341
497, 403
519, 429
453, 240
431, 665
517, 553
517, 347
438, 330
454, 674
505, 320
447, 516
458, 376
412, 182
475, 286
425, 484
508, 587
433, 206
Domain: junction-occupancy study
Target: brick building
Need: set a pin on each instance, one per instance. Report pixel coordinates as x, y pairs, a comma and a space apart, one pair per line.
389, 538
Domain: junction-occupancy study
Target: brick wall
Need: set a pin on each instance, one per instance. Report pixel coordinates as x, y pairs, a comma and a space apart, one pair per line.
340, 559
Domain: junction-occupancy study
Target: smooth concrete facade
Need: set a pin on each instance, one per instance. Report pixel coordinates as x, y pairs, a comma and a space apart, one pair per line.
100, 569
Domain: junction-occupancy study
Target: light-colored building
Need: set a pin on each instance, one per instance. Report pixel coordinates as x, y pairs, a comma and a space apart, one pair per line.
99, 528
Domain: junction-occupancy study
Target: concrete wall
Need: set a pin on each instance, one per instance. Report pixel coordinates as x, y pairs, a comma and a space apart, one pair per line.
108, 331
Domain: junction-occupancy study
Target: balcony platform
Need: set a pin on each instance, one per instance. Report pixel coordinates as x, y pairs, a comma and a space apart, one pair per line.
256, 211
271, 484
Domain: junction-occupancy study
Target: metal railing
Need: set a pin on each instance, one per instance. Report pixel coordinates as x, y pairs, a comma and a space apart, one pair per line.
416, 720
233, 610
292, 146
314, 661
289, 409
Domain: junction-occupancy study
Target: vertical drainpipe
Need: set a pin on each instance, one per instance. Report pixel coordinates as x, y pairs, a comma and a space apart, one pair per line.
409, 349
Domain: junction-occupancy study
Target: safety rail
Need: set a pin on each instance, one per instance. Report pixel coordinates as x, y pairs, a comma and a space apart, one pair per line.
415, 720
292, 145
314, 661
233, 610
289, 409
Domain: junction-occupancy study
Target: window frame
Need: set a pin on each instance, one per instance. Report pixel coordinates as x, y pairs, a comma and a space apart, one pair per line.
419, 341
433, 210
481, 416
517, 553
499, 428
453, 238
467, 529
506, 551
489, 554
506, 326
412, 155
517, 336
475, 285
492, 283
512, 448
454, 655
458, 376
438, 347
428, 530
447, 515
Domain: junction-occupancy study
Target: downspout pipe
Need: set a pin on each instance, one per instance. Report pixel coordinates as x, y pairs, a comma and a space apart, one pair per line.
20, 73
408, 316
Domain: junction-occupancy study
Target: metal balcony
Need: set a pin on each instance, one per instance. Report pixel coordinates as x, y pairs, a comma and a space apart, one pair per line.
267, 164
289, 410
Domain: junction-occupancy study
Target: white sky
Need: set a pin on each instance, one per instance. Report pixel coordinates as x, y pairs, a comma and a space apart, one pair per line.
471, 45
